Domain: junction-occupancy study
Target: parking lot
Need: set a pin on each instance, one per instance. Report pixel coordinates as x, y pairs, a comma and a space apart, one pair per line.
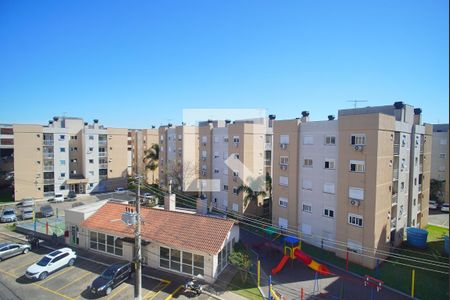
67, 283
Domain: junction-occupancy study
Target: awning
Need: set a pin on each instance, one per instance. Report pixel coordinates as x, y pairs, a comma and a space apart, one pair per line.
76, 181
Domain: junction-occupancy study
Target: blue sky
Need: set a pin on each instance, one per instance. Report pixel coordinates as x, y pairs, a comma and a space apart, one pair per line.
139, 63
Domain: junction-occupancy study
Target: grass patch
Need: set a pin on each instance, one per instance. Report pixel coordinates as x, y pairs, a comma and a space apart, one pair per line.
246, 288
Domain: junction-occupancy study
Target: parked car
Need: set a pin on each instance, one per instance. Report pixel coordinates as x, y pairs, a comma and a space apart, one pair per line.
120, 190
111, 278
46, 211
433, 204
26, 202
8, 215
12, 249
444, 207
72, 196
27, 213
50, 263
58, 198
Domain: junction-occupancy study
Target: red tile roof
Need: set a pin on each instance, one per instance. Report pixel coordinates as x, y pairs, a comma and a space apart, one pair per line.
171, 228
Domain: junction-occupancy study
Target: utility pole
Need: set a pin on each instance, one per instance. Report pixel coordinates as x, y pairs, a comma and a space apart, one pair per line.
356, 101
137, 245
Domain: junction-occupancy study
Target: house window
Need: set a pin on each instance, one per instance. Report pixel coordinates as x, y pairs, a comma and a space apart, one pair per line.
62, 137
91, 161
91, 173
329, 188
283, 223
307, 163
216, 171
307, 184
236, 139
73, 137
357, 166
225, 139
91, 149
283, 202
307, 207
62, 175
284, 181
62, 162
358, 139
284, 160
235, 207
442, 155
105, 243
328, 212
308, 140
329, 164
284, 139
404, 140
236, 155
216, 155
62, 149
235, 190
356, 193
355, 220
225, 187
91, 137
62, 187
330, 140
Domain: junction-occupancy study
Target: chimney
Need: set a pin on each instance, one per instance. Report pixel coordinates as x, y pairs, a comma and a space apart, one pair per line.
330, 117
399, 111
96, 123
227, 122
417, 116
305, 116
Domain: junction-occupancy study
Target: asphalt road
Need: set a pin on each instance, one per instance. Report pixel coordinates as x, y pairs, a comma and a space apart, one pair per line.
439, 218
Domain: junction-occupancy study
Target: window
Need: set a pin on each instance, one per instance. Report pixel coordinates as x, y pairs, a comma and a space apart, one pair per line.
283, 223
443, 142
62, 162
330, 140
284, 160
91, 137
306, 228
73, 148
106, 243
62, 149
284, 139
235, 207
91, 161
308, 140
235, 190
355, 220
236, 155
284, 181
63, 175
175, 259
62, 187
307, 184
62, 137
307, 163
357, 166
204, 139
329, 188
216, 171
73, 160
236, 139
329, 164
73, 137
306, 207
225, 139
216, 155
328, 212
180, 137
358, 139
91, 173
404, 140
442, 155
91, 149
356, 193
225, 187
283, 202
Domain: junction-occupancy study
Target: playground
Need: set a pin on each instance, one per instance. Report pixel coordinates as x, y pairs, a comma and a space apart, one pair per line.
289, 273
47, 226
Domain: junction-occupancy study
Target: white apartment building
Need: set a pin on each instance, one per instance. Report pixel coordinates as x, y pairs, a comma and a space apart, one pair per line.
439, 160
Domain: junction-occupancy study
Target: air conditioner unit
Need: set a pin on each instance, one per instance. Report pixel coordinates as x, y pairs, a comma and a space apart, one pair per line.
354, 202
358, 147
283, 146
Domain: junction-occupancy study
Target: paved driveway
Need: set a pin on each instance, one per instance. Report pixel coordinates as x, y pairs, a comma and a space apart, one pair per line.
439, 218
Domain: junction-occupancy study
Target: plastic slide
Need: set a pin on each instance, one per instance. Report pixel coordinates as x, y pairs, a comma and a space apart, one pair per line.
307, 260
280, 265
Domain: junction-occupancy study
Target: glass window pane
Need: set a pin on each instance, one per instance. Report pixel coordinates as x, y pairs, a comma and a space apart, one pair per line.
93, 236
118, 243
198, 271
110, 240
175, 255
175, 266
164, 263
198, 261
187, 269
110, 249
101, 247
164, 253
93, 245
101, 238
119, 251
187, 258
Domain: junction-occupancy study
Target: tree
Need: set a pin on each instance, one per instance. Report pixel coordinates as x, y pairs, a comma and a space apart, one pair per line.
252, 191
436, 189
151, 158
241, 259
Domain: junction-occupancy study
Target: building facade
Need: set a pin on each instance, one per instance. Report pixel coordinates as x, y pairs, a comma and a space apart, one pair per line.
439, 161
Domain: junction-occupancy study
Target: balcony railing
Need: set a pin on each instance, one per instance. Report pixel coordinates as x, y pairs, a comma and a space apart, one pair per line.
420, 188
102, 142
394, 199
267, 162
102, 154
48, 142
395, 174
49, 168
49, 194
49, 181
421, 168
393, 223
267, 146
103, 166
49, 154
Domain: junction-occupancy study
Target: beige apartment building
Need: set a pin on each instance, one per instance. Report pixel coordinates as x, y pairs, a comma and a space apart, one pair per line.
139, 141
66, 155
439, 160
6, 148
353, 184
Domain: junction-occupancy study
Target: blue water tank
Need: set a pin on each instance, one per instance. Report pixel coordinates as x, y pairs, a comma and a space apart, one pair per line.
446, 244
416, 237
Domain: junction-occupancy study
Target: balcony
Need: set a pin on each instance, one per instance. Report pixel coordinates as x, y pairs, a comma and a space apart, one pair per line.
102, 154
421, 168
49, 168
49, 181
267, 162
420, 188
283, 167
267, 146
48, 142
102, 142
396, 149
393, 223
395, 174
49, 154
103, 166
394, 199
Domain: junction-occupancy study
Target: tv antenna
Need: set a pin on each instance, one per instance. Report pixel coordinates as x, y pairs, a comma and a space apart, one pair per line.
355, 102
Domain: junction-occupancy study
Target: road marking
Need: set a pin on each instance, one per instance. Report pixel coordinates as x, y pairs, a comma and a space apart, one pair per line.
157, 293
49, 278
174, 292
21, 266
7, 273
73, 281
53, 292
117, 292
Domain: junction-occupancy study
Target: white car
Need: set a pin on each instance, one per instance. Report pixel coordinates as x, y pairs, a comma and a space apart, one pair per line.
432, 204
59, 198
120, 190
50, 263
444, 207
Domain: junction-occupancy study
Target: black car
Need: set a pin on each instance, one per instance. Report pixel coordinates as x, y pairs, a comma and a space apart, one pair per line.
71, 196
46, 211
111, 278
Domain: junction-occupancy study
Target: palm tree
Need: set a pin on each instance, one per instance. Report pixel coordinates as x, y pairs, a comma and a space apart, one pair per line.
151, 158
250, 194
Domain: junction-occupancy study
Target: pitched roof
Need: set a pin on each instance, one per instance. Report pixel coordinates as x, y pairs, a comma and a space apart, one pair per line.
173, 229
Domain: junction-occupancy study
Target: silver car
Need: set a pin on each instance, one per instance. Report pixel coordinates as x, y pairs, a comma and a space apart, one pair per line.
8, 215
12, 249
27, 213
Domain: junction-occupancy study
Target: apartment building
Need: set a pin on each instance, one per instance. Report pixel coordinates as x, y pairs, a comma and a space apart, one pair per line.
68, 155
6, 148
439, 160
139, 141
354, 183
